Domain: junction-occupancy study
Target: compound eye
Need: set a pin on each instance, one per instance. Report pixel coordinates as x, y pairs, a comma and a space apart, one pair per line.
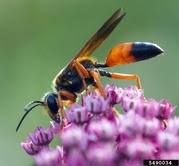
51, 100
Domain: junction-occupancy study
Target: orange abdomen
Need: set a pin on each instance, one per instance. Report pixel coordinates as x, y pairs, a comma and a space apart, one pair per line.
131, 52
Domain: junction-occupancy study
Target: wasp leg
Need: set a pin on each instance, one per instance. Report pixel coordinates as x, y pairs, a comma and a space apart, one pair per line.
165, 123
122, 77
68, 102
95, 75
82, 69
82, 72
61, 111
99, 88
95, 89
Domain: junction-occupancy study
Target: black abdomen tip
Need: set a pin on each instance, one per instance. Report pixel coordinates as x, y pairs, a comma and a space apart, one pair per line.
145, 50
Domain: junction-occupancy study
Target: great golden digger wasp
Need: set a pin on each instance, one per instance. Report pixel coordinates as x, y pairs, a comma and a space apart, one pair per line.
83, 70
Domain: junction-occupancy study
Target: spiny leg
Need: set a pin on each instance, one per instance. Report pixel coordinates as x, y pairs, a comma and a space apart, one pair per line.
95, 75
61, 111
82, 72
99, 87
122, 77
127, 77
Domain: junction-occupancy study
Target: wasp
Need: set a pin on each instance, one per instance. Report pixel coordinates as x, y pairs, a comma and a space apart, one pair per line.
84, 70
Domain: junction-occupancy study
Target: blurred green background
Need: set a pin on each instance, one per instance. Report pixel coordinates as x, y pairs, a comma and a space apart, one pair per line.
39, 37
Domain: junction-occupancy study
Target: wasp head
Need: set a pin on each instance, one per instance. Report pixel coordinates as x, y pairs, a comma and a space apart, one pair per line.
51, 105
49, 102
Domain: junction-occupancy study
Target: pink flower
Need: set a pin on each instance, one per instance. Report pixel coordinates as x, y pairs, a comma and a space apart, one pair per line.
30, 148
41, 136
167, 141
101, 154
77, 114
95, 103
102, 130
166, 110
48, 157
76, 158
173, 126
95, 135
73, 137
114, 94
136, 149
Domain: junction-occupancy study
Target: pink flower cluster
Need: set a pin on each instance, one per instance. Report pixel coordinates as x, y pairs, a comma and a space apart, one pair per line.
95, 135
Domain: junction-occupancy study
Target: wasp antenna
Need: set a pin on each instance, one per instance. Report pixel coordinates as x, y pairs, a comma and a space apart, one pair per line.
31, 105
37, 103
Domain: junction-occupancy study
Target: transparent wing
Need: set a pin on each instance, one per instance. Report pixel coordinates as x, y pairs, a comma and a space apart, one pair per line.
96, 40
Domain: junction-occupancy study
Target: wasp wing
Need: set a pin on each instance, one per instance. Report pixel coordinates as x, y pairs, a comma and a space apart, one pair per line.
98, 37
